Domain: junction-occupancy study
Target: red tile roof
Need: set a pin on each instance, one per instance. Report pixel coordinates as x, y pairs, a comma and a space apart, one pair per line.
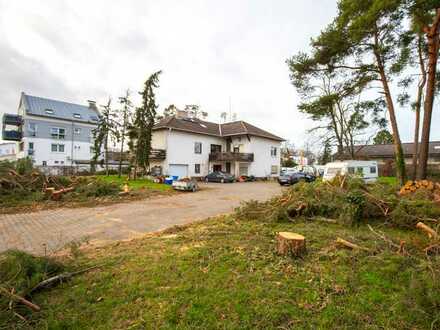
208, 128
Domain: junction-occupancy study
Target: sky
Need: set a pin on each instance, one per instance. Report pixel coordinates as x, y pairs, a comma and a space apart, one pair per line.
221, 55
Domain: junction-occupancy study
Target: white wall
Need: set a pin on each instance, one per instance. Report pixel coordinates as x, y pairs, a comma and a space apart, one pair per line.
263, 161
43, 151
180, 150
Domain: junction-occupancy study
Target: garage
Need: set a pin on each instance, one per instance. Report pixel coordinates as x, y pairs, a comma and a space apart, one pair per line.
180, 170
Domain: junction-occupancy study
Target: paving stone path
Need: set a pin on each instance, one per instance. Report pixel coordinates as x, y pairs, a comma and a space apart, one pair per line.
47, 231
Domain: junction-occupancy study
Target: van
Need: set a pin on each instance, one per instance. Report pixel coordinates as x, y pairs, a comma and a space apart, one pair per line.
363, 168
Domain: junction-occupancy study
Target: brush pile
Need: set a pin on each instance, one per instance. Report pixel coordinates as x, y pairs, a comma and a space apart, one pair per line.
345, 199
20, 182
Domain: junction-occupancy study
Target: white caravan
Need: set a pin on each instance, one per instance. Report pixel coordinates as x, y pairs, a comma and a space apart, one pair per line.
362, 168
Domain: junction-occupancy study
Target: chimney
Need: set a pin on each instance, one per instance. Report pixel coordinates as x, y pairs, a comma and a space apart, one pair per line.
92, 104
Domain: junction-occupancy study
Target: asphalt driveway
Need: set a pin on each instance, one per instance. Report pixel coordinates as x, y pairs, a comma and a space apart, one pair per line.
47, 231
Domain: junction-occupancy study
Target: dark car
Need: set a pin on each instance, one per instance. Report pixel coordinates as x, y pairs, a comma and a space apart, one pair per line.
219, 176
292, 178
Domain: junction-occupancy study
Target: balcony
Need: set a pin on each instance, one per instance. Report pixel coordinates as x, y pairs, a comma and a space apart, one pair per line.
13, 120
231, 156
158, 154
11, 135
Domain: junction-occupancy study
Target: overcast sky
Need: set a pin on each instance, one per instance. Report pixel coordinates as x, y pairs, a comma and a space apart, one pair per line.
209, 51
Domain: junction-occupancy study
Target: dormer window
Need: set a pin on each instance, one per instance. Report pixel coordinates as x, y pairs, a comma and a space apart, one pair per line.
49, 111
77, 115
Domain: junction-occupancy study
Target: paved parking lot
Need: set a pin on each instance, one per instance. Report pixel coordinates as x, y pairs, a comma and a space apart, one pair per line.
53, 229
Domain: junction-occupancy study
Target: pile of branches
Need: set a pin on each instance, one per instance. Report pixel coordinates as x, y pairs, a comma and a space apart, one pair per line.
33, 182
344, 199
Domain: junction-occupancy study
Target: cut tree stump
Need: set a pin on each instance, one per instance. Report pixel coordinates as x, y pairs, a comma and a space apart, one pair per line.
291, 244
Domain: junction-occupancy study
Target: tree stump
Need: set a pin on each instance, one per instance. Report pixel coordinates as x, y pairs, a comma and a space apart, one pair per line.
291, 244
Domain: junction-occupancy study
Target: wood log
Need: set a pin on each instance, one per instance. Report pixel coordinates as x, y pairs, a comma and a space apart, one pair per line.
291, 244
428, 230
19, 299
350, 245
49, 191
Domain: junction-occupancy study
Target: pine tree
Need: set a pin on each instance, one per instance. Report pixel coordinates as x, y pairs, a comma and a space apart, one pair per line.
102, 134
124, 122
141, 129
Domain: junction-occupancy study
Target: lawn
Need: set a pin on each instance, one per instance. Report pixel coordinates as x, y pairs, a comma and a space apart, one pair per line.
388, 180
224, 273
136, 184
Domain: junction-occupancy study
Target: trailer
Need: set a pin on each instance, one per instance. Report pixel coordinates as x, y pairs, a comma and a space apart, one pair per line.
364, 169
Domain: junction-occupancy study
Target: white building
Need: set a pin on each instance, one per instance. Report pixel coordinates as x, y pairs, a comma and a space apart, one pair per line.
52, 133
8, 151
195, 148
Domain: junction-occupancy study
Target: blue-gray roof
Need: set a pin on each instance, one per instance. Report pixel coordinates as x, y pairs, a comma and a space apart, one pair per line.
40, 106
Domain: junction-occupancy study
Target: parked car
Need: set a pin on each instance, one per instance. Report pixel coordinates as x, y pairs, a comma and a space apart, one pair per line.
292, 178
186, 185
219, 176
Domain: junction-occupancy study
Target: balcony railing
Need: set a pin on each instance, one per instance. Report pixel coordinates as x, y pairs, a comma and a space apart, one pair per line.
13, 120
158, 154
12, 135
231, 156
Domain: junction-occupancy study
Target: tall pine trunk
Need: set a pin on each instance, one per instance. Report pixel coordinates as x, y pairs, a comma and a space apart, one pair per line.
398, 151
121, 152
417, 109
432, 34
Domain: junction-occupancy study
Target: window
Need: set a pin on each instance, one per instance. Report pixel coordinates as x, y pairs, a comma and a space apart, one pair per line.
360, 170
57, 147
273, 151
236, 149
77, 115
32, 129
21, 146
57, 133
274, 169
44, 163
49, 111
373, 169
216, 148
56, 162
197, 168
93, 118
350, 170
77, 131
31, 145
198, 147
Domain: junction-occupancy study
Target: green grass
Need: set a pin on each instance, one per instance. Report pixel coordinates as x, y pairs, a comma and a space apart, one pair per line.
136, 184
225, 274
388, 180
